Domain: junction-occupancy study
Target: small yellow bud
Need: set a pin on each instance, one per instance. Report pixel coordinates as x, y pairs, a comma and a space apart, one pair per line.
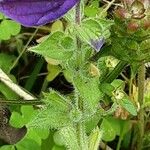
94, 71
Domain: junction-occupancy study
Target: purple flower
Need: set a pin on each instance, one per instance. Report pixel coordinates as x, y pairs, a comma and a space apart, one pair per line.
35, 12
97, 43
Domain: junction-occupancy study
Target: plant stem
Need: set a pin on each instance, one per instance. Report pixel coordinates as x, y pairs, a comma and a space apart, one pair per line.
109, 5
78, 22
130, 87
78, 14
24, 49
31, 80
120, 138
141, 82
14, 87
78, 45
115, 73
21, 102
119, 143
79, 125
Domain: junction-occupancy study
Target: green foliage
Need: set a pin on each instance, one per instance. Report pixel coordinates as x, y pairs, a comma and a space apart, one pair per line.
57, 46
107, 88
112, 127
108, 131
23, 117
55, 147
56, 107
94, 139
6, 61
6, 147
88, 89
87, 115
53, 71
8, 28
131, 47
28, 144
7, 92
58, 139
128, 105
118, 84
33, 138
91, 123
92, 10
93, 28
69, 136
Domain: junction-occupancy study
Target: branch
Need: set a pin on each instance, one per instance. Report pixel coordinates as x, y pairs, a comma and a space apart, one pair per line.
14, 87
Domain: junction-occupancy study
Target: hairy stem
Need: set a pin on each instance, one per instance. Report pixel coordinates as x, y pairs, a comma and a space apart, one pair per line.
21, 102
78, 45
141, 82
78, 22
79, 125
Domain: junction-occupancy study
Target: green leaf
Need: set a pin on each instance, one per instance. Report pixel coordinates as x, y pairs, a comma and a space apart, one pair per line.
53, 71
57, 101
92, 122
55, 147
9, 28
28, 144
49, 118
133, 45
107, 88
118, 84
89, 29
20, 119
7, 147
43, 134
68, 75
57, 46
57, 26
94, 139
69, 136
129, 106
145, 45
54, 115
92, 10
109, 133
37, 135
121, 127
33, 139
6, 61
16, 120
93, 28
89, 91
48, 142
58, 139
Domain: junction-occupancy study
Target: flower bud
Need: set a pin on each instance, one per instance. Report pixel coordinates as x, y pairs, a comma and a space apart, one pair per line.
121, 13
137, 10
146, 24
94, 71
132, 26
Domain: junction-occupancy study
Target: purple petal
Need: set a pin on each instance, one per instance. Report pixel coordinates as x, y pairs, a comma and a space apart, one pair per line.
98, 43
35, 12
